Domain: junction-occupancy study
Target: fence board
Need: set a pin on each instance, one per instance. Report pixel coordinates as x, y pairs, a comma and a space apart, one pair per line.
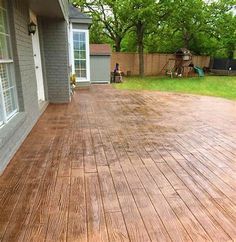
153, 63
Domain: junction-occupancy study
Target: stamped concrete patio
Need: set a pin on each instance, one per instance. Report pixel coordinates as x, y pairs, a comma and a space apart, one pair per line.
124, 166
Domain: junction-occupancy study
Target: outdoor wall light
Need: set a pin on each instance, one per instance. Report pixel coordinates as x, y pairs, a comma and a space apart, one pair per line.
32, 28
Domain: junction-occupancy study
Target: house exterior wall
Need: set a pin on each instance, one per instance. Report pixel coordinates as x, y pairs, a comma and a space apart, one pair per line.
56, 57
54, 51
100, 69
14, 132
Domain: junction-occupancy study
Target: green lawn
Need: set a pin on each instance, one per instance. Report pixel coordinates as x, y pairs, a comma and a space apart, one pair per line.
219, 86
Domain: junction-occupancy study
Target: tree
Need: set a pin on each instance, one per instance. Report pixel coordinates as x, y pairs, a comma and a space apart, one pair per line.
204, 27
96, 33
224, 30
188, 19
145, 15
111, 15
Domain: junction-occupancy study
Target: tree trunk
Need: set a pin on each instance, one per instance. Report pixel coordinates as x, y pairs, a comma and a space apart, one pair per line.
231, 50
186, 38
118, 44
186, 43
140, 36
141, 60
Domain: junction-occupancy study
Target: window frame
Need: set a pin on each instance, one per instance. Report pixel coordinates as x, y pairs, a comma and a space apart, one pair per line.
9, 62
86, 31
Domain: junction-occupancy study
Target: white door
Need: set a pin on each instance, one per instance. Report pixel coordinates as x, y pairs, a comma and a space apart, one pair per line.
37, 60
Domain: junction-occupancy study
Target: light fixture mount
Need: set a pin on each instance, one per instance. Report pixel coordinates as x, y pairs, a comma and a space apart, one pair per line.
32, 27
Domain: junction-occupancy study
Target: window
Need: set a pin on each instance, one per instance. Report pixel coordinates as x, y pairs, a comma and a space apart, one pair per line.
80, 54
8, 99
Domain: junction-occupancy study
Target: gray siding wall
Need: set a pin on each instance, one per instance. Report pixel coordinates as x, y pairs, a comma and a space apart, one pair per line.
13, 133
54, 48
80, 26
56, 58
100, 69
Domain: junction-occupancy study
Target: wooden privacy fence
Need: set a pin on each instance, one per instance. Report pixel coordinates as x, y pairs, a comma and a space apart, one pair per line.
153, 63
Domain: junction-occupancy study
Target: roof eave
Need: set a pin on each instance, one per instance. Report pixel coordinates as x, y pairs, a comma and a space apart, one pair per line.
81, 20
53, 9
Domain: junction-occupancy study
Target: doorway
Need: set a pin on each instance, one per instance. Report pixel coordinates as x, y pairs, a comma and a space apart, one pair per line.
37, 60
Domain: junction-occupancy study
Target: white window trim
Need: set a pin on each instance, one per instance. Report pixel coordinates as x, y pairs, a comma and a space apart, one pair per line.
70, 48
86, 31
6, 61
6, 117
2, 101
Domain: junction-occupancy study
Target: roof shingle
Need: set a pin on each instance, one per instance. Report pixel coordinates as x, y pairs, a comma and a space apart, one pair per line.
100, 49
75, 14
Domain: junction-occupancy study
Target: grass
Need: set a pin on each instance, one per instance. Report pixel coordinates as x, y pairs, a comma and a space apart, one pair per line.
218, 86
